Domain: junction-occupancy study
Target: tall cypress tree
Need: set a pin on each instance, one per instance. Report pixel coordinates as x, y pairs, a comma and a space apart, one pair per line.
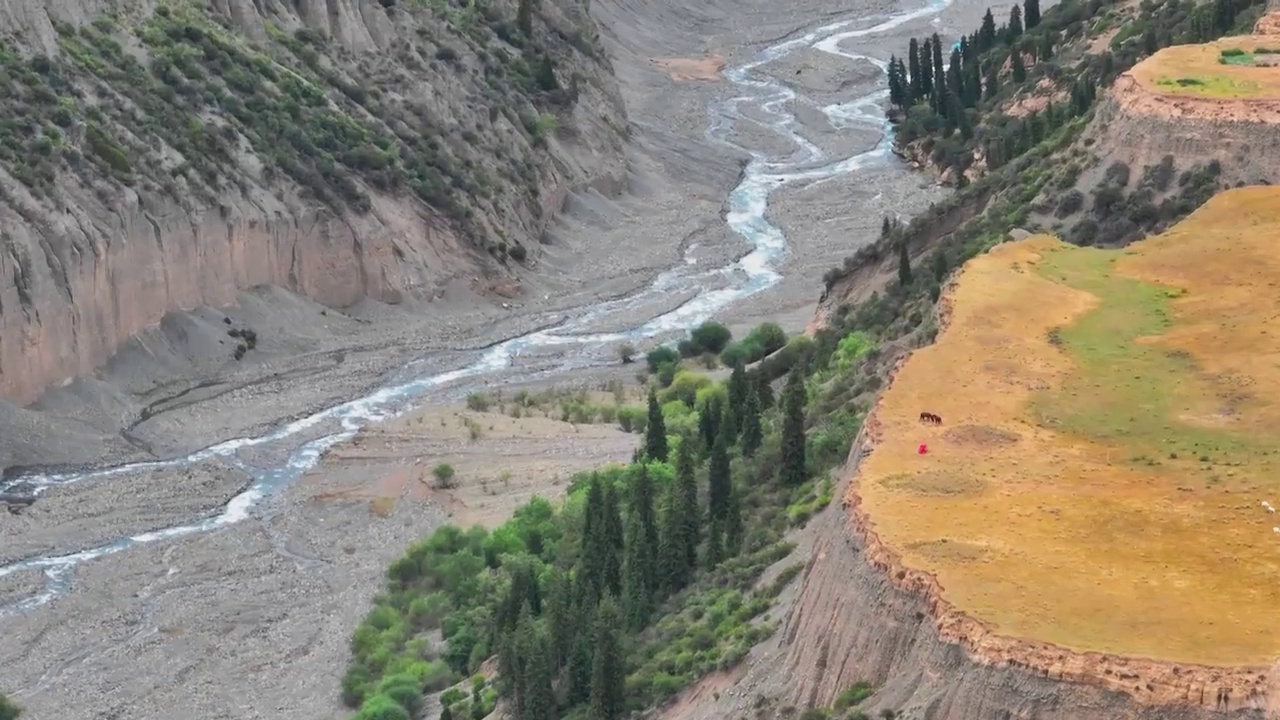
596, 552
719, 481
935, 46
791, 469
926, 69
559, 614
1017, 70
709, 420
715, 544
1014, 29
637, 576
728, 424
613, 536
672, 561
972, 85
955, 75
642, 507
1032, 14
915, 83
581, 658
524, 17
904, 275
993, 81
608, 672
655, 433
987, 33
752, 433
687, 486
733, 525
764, 390
738, 388
897, 90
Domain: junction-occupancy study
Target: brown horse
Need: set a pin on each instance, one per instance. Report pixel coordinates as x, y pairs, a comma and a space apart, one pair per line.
928, 417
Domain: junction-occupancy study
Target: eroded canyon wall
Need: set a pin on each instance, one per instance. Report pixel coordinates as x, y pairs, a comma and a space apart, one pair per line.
163, 156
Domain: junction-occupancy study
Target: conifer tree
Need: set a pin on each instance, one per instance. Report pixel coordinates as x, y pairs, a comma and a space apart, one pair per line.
926, 69
897, 90
1032, 15
791, 468
581, 658
738, 388
955, 75
972, 85
1018, 71
637, 575
524, 17
752, 433
993, 82
687, 486
1014, 29
446, 713
719, 481
613, 536
709, 420
642, 508
733, 525
715, 544
672, 561
655, 433
915, 84
596, 551
987, 33
1046, 46
904, 271
728, 426
939, 72
559, 614
764, 390
608, 672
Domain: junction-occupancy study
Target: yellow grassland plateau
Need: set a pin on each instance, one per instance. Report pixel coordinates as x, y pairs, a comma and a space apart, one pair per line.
1096, 502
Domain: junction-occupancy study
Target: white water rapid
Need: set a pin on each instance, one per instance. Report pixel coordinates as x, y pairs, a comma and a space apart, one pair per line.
753, 273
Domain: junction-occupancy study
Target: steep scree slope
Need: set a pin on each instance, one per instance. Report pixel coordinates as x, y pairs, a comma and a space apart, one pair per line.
163, 156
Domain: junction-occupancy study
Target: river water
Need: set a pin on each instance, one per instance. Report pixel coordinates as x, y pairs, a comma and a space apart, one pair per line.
301, 442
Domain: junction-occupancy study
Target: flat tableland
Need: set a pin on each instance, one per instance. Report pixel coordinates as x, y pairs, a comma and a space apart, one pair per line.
1245, 71
1111, 424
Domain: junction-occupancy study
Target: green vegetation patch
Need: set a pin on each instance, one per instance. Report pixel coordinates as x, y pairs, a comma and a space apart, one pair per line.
1127, 390
1210, 86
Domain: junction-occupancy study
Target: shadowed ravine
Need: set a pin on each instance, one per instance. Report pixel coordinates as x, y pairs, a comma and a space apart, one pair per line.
305, 439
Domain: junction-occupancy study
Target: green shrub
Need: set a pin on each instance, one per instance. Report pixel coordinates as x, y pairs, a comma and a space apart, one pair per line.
854, 695
444, 475
684, 387
382, 707
479, 402
711, 336
660, 356
1233, 52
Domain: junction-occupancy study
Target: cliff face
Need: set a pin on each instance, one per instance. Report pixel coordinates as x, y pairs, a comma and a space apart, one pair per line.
1138, 127
162, 156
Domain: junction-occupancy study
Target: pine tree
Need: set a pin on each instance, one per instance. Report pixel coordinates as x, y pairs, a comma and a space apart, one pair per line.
1032, 14
993, 82
752, 433
524, 17
1046, 46
655, 433
886, 227
709, 420
672, 561
939, 72
955, 75
608, 672
1018, 71
596, 553
904, 266
916, 80
539, 698
719, 481
733, 525
728, 426
637, 598
613, 536
715, 544
1014, 29
642, 508
559, 614
972, 85
580, 664
738, 388
791, 469
926, 69
987, 33
687, 486
764, 390
897, 90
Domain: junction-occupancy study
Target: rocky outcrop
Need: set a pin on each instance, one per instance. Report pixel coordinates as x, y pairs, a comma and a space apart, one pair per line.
160, 158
